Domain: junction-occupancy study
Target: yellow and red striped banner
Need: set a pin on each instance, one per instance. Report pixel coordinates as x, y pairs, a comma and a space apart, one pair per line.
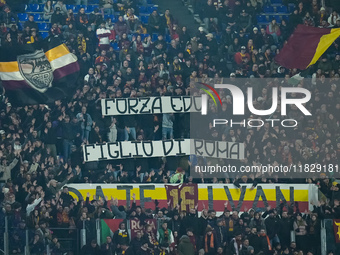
211, 196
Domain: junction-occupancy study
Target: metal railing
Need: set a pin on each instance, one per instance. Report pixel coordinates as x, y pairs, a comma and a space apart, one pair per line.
328, 242
20, 239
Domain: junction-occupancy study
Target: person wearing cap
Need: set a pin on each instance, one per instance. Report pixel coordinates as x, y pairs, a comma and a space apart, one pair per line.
201, 36
211, 46
57, 17
272, 225
325, 65
257, 38
242, 57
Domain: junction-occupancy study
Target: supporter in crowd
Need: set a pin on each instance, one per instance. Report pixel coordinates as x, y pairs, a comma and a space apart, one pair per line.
40, 146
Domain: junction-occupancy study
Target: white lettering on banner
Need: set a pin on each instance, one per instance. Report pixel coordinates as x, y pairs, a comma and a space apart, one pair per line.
148, 149
150, 105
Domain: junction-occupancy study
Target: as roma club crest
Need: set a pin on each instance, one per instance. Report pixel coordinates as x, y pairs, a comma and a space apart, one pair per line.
36, 70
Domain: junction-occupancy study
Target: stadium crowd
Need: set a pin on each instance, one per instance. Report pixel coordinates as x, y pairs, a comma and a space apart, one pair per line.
40, 145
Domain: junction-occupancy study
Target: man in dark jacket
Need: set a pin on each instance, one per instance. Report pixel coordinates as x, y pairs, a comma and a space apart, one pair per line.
31, 23
286, 225
58, 17
69, 135
126, 249
91, 249
155, 23
221, 233
137, 242
254, 240
8, 17
272, 225
108, 248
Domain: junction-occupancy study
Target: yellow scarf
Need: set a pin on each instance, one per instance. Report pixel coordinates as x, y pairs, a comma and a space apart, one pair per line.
168, 21
82, 43
31, 40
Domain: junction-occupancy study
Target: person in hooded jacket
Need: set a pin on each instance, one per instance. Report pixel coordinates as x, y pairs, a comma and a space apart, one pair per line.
185, 247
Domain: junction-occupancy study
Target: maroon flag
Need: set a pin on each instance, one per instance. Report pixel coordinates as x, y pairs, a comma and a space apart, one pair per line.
186, 195
136, 226
336, 227
305, 46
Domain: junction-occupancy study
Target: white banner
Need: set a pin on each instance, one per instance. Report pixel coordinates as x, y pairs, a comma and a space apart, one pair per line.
148, 149
150, 105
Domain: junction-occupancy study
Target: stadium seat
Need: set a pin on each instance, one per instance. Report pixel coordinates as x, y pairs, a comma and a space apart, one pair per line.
112, 17
34, 8
282, 9
90, 8
115, 46
44, 34
285, 17
37, 17
22, 16
168, 38
81, 6
291, 8
261, 19
151, 9
218, 38
142, 9
276, 2
144, 35
70, 7
144, 19
268, 9
276, 17
154, 37
43, 26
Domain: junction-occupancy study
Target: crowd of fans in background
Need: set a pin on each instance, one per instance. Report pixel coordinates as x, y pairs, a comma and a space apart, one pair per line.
40, 146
